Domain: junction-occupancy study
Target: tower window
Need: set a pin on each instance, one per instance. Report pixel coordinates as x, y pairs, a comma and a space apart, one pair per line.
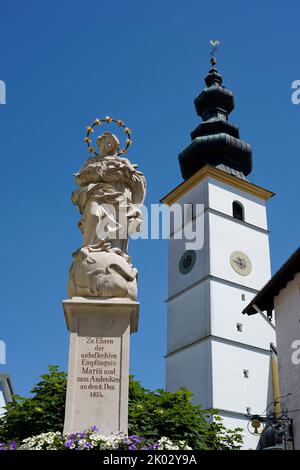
246, 373
243, 297
238, 210
239, 327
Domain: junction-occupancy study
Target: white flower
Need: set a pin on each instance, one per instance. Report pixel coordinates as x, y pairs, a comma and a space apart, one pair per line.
166, 444
96, 437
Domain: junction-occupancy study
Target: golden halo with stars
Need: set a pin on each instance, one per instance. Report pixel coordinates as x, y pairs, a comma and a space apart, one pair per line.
98, 122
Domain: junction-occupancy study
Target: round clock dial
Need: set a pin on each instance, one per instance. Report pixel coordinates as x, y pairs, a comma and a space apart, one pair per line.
241, 263
187, 261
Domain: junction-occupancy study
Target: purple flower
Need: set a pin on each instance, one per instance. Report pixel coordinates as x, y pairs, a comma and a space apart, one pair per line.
153, 447
132, 447
94, 428
68, 444
12, 445
137, 439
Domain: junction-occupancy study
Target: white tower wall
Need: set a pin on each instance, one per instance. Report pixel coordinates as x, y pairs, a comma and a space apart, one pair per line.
222, 356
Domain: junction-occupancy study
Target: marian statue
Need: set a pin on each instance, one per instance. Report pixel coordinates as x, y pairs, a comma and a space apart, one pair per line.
109, 197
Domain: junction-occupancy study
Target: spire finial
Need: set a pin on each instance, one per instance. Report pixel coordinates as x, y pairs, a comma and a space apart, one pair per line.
214, 46
215, 141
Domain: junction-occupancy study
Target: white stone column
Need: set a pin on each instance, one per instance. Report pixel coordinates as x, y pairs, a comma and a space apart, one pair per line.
97, 390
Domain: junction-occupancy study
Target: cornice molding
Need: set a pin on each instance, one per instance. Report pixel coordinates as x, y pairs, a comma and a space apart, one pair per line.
210, 171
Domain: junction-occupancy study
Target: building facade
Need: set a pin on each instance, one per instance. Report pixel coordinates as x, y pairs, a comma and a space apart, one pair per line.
282, 293
212, 349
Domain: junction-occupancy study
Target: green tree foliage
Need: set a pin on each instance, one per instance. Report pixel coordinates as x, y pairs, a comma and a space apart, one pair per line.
42, 412
151, 414
171, 414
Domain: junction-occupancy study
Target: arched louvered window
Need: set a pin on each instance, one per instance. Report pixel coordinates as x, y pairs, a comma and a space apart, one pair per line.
238, 210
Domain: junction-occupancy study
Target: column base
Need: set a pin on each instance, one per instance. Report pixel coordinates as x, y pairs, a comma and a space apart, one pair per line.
97, 390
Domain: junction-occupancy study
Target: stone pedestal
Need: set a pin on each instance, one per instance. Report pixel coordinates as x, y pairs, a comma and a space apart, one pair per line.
97, 391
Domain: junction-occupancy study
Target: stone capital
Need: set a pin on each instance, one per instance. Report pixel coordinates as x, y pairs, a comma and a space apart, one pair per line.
80, 305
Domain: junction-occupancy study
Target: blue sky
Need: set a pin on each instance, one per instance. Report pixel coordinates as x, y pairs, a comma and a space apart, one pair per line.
68, 62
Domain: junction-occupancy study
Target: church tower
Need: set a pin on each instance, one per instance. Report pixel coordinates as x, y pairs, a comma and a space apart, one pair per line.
212, 349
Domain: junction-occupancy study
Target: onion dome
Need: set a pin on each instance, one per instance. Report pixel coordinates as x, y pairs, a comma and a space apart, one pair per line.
215, 141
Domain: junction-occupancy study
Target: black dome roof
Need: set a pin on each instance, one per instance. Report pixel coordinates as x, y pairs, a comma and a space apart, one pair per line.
215, 141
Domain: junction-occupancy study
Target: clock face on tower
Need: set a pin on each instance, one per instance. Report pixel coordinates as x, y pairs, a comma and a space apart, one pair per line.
187, 261
241, 263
